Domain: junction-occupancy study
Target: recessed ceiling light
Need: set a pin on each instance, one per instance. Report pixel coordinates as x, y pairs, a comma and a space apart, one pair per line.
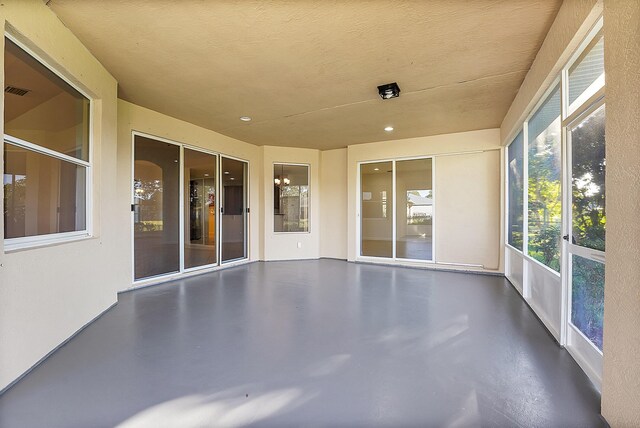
226, 172
245, 118
206, 175
376, 169
232, 178
388, 128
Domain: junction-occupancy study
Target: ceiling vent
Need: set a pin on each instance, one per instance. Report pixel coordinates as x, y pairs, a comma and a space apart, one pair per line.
16, 91
390, 90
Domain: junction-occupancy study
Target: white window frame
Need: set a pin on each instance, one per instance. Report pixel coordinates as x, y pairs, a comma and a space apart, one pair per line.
184, 272
587, 355
394, 259
26, 242
273, 198
556, 83
519, 131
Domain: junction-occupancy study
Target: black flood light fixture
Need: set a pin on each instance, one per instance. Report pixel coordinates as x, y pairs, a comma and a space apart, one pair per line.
390, 90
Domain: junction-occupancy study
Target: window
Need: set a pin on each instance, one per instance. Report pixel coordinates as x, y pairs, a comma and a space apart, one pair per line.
545, 175
586, 75
516, 195
291, 198
588, 164
572, 224
586, 139
46, 151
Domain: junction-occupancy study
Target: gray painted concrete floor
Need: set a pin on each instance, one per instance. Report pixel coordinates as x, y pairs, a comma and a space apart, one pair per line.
313, 343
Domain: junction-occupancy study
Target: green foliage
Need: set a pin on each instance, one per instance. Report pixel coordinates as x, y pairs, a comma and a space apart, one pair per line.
587, 298
516, 197
544, 246
588, 183
419, 219
545, 198
15, 192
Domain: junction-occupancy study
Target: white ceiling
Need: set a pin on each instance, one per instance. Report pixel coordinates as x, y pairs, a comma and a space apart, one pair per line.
306, 71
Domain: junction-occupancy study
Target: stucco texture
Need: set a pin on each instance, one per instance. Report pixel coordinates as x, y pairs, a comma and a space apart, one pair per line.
48, 293
621, 378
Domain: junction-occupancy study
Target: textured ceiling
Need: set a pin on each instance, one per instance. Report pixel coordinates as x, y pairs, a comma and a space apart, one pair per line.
306, 71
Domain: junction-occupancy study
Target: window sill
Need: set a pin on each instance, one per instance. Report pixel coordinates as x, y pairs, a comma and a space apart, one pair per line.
33, 242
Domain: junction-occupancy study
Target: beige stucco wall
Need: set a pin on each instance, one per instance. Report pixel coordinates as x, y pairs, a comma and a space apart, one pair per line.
284, 246
621, 377
467, 226
574, 20
47, 294
463, 175
333, 204
135, 118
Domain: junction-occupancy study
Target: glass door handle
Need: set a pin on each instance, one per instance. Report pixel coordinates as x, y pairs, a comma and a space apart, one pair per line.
565, 237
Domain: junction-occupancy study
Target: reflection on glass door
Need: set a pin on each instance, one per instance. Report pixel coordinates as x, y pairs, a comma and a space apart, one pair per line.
414, 209
376, 213
233, 209
586, 144
156, 218
200, 209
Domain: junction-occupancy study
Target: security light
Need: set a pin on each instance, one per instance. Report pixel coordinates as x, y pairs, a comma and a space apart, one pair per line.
390, 90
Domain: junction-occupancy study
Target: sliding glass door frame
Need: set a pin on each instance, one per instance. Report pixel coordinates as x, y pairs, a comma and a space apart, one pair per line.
574, 340
581, 348
246, 210
394, 259
218, 228
133, 213
182, 210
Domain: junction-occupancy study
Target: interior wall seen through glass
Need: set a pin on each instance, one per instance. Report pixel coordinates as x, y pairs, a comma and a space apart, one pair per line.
414, 209
290, 198
157, 204
376, 196
42, 194
516, 192
200, 206
234, 241
41, 108
544, 183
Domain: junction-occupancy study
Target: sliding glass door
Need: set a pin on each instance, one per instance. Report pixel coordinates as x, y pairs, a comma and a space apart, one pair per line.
189, 208
414, 209
200, 235
376, 211
234, 209
396, 209
156, 208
